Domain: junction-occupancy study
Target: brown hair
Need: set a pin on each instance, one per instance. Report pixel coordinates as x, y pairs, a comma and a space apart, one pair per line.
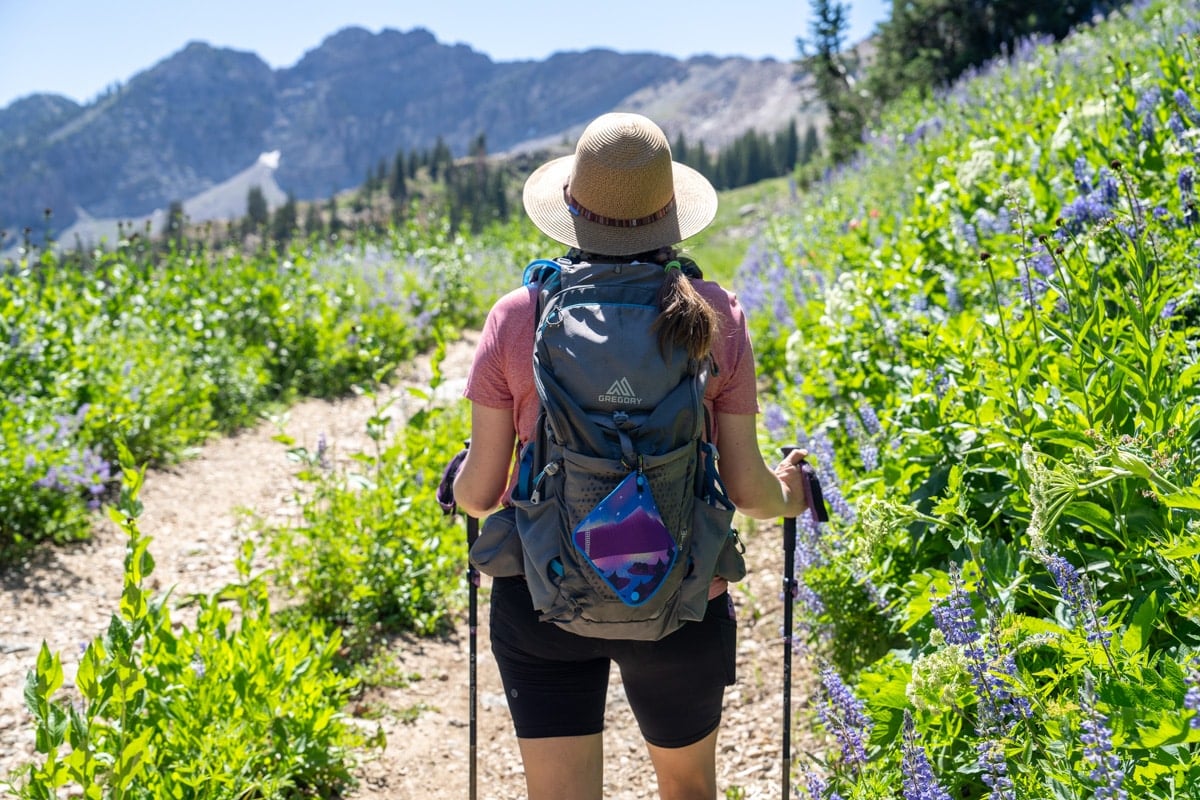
685, 319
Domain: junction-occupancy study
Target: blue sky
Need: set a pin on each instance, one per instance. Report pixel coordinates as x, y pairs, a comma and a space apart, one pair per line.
78, 47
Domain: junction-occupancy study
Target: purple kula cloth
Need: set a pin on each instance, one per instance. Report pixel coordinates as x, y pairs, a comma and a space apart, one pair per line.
626, 542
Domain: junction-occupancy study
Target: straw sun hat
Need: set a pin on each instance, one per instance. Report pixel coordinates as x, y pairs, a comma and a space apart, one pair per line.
620, 193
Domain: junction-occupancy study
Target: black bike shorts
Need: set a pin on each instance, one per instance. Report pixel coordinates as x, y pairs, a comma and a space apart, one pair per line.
556, 682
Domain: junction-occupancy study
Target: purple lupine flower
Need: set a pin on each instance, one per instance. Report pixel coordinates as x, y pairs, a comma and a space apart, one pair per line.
943, 382
1170, 308
965, 231
809, 601
1175, 123
950, 286
1187, 182
777, 276
919, 782
874, 593
49, 480
1074, 592
1145, 108
816, 786
775, 421
1013, 707
870, 419
955, 618
197, 666
867, 451
322, 451
808, 541
1032, 288
1109, 188
1185, 105
845, 716
1003, 222
1107, 773
1042, 262
1191, 700
1085, 210
1083, 177
993, 224
752, 289
993, 767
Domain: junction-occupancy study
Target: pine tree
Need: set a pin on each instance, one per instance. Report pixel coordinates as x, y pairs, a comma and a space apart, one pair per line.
442, 160
831, 73
257, 213
312, 220
397, 183
811, 144
787, 149
284, 223
679, 151
335, 222
174, 226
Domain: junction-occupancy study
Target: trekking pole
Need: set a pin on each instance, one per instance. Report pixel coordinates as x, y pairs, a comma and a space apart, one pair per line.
789, 596
472, 627
445, 498
816, 505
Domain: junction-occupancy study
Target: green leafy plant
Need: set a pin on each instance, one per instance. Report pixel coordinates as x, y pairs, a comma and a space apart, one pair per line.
229, 708
374, 554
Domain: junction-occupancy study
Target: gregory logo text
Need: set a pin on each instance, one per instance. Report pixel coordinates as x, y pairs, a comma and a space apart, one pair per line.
620, 392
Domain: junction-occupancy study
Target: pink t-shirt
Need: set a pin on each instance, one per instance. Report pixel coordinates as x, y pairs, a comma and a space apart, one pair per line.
502, 373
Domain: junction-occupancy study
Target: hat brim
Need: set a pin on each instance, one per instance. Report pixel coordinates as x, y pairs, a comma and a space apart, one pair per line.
695, 207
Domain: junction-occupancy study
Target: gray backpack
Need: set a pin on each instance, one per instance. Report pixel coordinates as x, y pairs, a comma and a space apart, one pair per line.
621, 517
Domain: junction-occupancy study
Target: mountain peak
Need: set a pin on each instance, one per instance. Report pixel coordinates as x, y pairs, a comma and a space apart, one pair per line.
190, 122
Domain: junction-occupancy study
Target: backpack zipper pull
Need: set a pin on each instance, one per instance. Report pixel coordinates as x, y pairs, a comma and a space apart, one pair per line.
535, 496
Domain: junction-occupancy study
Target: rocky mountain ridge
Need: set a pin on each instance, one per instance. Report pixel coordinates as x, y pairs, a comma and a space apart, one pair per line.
204, 115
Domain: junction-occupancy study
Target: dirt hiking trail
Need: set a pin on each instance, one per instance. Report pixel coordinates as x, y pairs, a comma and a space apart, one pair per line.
195, 514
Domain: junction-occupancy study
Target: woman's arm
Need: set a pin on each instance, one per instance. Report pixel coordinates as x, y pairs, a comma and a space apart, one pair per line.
755, 489
484, 473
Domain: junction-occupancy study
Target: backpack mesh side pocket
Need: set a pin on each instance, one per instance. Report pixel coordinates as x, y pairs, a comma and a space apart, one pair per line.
588, 480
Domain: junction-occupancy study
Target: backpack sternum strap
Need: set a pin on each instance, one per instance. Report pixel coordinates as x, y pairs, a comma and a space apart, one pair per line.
629, 454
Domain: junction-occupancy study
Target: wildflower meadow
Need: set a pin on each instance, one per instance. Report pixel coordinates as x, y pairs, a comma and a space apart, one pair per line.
986, 331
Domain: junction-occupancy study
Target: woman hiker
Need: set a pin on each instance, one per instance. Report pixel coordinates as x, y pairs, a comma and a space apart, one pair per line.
555, 681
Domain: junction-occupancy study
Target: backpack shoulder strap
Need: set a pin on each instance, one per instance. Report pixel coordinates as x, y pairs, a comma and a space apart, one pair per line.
544, 273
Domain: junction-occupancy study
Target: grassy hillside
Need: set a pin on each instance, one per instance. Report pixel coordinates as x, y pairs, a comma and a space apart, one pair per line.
987, 332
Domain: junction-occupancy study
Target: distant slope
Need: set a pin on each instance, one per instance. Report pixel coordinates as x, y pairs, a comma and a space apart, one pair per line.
189, 123
225, 201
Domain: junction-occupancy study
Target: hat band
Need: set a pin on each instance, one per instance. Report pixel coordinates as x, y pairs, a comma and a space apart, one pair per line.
614, 222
